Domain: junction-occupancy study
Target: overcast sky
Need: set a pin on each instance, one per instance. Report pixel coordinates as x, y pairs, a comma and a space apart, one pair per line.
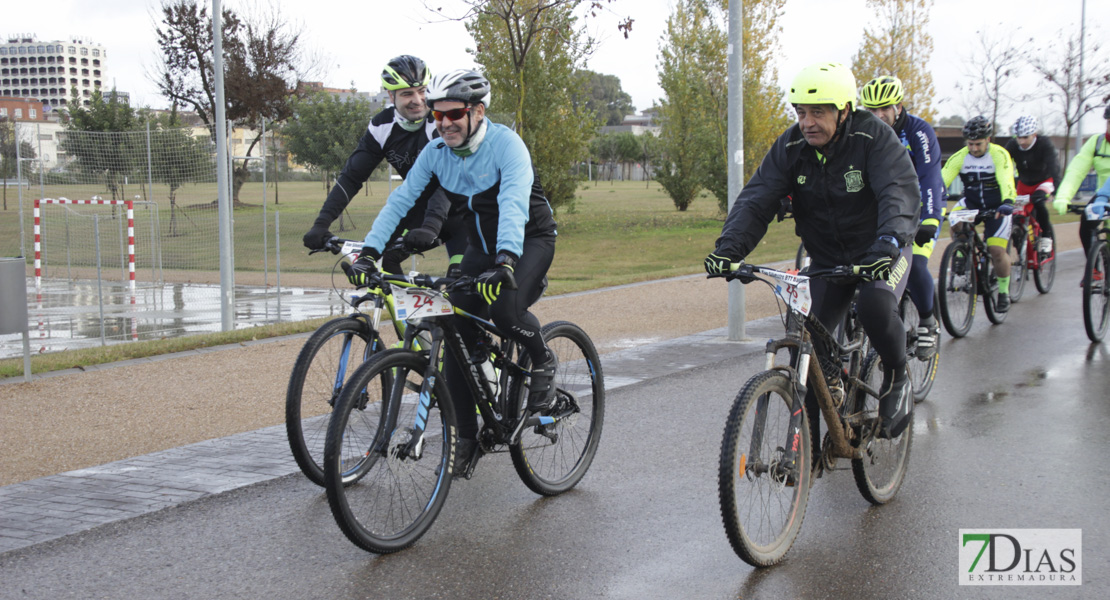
355, 37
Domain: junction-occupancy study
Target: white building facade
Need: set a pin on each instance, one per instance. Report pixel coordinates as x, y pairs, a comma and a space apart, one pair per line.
48, 71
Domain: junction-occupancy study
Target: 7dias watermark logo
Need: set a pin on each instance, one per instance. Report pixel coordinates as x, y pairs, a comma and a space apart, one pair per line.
1021, 557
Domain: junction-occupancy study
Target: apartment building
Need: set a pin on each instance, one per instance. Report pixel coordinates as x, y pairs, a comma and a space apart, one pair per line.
48, 71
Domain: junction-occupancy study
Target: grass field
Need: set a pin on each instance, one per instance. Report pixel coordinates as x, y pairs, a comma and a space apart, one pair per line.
618, 232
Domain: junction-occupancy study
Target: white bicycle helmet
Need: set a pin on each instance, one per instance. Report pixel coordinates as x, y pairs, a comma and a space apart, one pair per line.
461, 85
1024, 126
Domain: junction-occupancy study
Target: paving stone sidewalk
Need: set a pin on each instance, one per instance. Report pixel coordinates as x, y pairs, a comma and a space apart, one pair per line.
52, 507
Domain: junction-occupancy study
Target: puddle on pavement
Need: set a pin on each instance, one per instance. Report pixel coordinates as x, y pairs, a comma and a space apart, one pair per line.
83, 314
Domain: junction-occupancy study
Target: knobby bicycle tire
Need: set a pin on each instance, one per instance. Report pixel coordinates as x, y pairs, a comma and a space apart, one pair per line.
1096, 299
881, 470
1018, 255
988, 282
957, 291
1045, 275
327, 360
763, 501
382, 498
552, 459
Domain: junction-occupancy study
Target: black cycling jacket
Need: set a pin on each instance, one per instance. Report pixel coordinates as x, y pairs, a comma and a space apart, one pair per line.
862, 188
1037, 164
384, 139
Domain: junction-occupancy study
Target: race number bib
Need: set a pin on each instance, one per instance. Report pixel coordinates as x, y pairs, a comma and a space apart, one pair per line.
420, 304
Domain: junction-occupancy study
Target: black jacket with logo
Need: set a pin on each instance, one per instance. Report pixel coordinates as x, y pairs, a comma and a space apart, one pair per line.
862, 188
384, 139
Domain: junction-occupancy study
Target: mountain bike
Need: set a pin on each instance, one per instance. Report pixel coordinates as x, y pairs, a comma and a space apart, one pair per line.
967, 272
922, 372
768, 459
389, 454
1026, 252
1096, 293
328, 358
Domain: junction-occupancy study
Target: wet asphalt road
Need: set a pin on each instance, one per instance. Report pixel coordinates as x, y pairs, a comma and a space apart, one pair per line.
1013, 435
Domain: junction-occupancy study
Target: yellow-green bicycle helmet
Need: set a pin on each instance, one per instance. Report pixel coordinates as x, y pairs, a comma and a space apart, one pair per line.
823, 83
881, 92
405, 71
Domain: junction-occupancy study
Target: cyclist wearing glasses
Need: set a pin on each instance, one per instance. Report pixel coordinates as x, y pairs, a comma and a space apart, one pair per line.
882, 97
485, 168
397, 134
1038, 171
1095, 154
987, 173
856, 200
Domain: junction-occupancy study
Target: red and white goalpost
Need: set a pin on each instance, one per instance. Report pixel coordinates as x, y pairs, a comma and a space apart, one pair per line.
96, 200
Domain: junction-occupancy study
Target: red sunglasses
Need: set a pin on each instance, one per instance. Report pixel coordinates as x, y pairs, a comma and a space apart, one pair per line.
454, 114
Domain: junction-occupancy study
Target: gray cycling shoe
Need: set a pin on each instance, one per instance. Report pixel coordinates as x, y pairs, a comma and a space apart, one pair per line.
895, 404
928, 333
541, 388
467, 453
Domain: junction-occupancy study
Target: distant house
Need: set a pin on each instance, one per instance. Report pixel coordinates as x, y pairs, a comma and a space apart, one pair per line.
645, 122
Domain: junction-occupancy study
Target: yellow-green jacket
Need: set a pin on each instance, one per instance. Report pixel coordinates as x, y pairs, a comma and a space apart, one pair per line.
983, 190
1095, 153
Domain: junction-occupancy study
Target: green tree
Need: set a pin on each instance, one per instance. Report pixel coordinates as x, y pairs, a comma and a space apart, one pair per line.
8, 163
607, 99
177, 158
685, 110
532, 53
694, 115
325, 131
264, 64
106, 151
900, 45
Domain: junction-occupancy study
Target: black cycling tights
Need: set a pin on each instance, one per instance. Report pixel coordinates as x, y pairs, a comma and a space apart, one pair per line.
509, 312
1040, 213
877, 307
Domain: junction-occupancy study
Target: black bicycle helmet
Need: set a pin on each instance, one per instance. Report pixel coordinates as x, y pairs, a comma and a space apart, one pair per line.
978, 128
405, 71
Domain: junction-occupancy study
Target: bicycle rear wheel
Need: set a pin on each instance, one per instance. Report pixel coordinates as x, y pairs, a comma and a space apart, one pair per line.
1017, 253
551, 459
384, 490
956, 287
922, 372
763, 499
327, 360
1096, 298
881, 470
1045, 275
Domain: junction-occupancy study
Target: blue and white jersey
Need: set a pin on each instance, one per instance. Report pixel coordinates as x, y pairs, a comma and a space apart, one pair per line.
496, 184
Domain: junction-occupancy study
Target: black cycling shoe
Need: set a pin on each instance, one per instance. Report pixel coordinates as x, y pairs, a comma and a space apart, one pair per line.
467, 453
1003, 303
541, 390
895, 404
928, 333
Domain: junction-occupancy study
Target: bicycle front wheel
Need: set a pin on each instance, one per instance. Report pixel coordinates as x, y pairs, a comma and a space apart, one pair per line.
1096, 308
1045, 275
988, 283
956, 287
386, 482
1017, 254
882, 468
331, 354
763, 496
551, 459
922, 371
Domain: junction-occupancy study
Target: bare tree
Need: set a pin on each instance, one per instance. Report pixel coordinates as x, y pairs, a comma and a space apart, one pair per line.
264, 67
994, 63
1059, 66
